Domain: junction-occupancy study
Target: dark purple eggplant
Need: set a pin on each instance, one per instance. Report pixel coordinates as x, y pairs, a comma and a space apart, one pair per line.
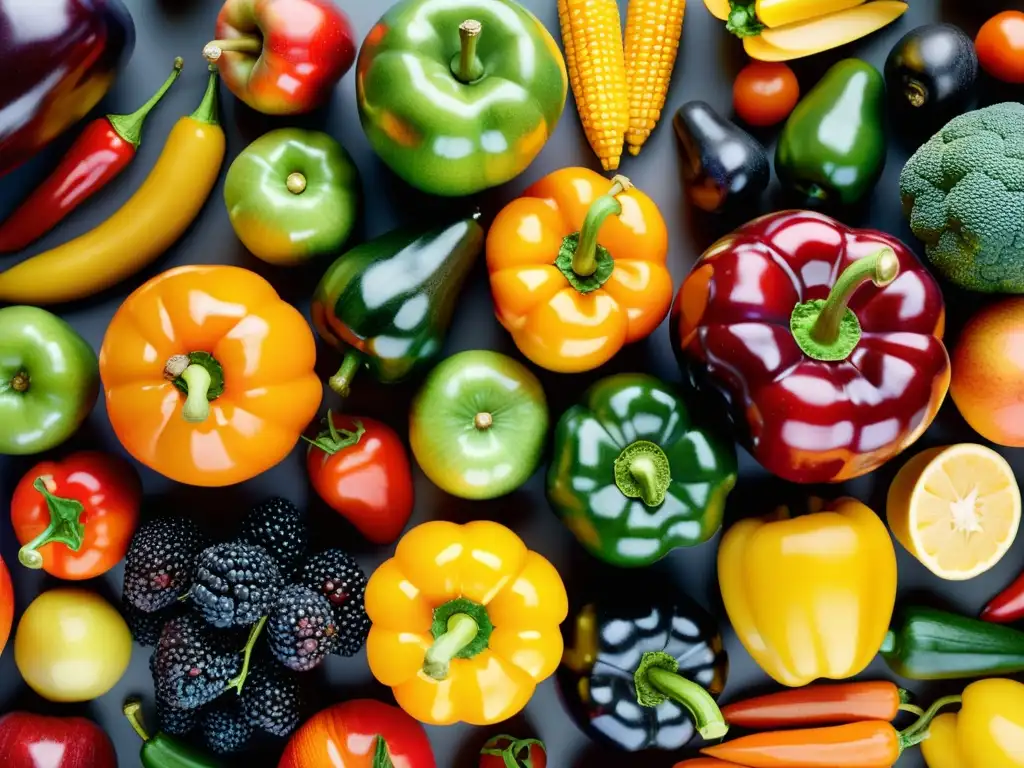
930, 74
59, 58
723, 165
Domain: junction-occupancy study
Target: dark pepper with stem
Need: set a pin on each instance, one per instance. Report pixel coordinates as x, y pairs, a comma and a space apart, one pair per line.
387, 304
644, 673
162, 751
105, 148
930, 74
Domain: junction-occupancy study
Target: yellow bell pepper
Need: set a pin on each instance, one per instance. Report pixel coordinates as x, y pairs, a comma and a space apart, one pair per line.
810, 597
988, 732
465, 622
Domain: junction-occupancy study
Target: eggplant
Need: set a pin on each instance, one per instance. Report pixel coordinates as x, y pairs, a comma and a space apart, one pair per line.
59, 58
723, 165
930, 74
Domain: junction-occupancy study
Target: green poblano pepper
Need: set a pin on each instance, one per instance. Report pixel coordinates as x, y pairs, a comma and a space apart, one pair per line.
633, 477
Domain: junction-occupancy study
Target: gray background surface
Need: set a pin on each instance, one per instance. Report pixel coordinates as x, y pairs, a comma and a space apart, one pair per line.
708, 62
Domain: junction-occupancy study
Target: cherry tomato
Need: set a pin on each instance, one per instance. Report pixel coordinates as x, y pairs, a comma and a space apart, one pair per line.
360, 468
75, 518
510, 752
765, 93
1000, 46
71, 645
6, 605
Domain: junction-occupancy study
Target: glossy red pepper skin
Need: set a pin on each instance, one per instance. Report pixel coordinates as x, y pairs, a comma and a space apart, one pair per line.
1008, 605
825, 704
368, 481
805, 420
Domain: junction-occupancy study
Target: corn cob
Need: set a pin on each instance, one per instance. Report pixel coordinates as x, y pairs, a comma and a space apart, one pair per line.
653, 31
592, 36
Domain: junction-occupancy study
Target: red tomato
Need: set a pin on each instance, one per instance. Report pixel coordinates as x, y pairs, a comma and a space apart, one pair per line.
360, 468
75, 518
1000, 45
510, 752
359, 734
765, 93
6, 605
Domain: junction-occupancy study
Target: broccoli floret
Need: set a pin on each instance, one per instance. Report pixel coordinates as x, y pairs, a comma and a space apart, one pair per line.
964, 194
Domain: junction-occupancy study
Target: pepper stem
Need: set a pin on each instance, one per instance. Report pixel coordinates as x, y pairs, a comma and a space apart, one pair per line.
334, 439
880, 268
129, 127
911, 708
462, 630
296, 183
206, 112
213, 50
584, 260
133, 711
342, 380
20, 382
483, 420
254, 633
645, 473
918, 730
65, 526
197, 406
642, 471
513, 749
467, 66
916, 93
657, 678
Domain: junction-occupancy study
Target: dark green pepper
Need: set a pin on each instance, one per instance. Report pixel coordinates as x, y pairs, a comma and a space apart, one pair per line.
832, 149
387, 304
930, 644
633, 477
163, 751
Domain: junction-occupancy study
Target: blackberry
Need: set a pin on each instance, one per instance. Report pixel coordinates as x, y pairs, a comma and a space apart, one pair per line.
192, 664
336, 575
146, 627
225, 727
235, 585
301, 629
272, 699
160, 563
279, 527
176, 722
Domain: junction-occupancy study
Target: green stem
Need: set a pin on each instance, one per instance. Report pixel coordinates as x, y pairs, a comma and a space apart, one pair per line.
743, 21
197, 405
911, 708
381, 758
254, 633
133, 711
642, 471
584, 260
342, 380
334, 440
129, 127
880, 268
645, 473
462, 630
510, 753
706, 714
206, 112
918, 730
65, 527
467, 67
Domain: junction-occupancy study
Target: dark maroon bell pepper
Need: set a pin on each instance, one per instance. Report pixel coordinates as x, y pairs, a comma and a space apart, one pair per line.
58, 59
825, 343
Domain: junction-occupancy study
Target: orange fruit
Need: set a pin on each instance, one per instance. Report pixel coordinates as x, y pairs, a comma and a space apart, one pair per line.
956, 509
987, 381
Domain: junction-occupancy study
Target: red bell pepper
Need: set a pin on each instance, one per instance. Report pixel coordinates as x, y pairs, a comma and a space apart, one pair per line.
361, 469
282, 57
105, 147
1008, 605
75, 518
510, 752
826, 377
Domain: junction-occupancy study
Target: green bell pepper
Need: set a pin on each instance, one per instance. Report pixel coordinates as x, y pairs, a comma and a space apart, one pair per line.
457, 96
831, 151
929, 644
161, 750
633, 477
49, 380
387, 303
293, 195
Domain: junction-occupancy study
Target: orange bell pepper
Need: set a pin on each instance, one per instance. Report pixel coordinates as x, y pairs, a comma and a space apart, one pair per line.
577, 268
465, 622
209, 375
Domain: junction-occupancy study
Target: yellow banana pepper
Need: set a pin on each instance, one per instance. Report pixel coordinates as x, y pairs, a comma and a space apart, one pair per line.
988, 732
465, 622
810, 597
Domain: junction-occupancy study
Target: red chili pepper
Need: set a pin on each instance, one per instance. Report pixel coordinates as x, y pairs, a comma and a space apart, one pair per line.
510, 752
101, 152
361, 469
1008, 605
821, 705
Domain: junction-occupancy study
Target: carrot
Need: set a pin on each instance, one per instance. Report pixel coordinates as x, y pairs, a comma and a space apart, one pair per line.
821, 705
705, 762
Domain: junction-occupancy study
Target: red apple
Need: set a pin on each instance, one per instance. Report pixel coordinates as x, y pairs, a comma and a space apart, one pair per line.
38, 741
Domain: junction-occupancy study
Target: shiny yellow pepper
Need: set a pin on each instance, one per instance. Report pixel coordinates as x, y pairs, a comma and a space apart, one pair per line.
988, 732
810, 597
465, 622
